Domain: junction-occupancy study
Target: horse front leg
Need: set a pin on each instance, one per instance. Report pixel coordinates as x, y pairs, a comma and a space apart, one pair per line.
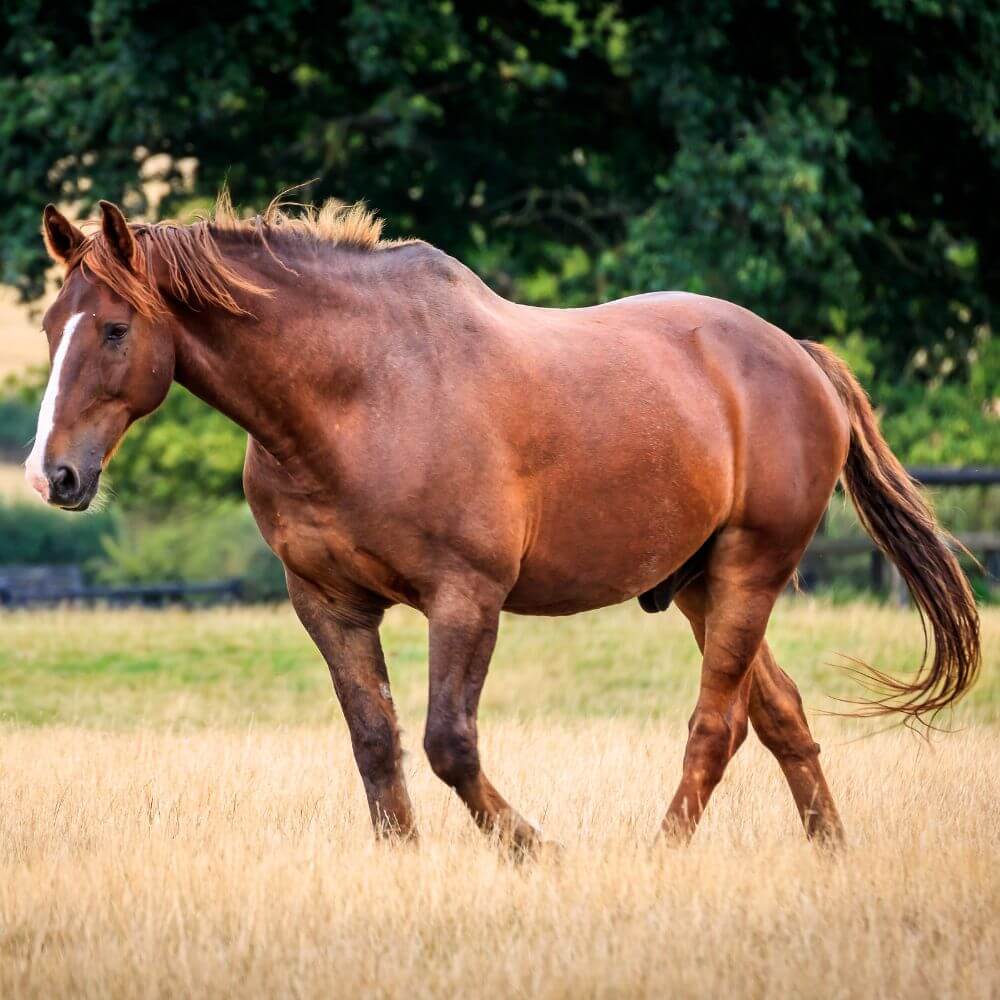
349, 641
463, 621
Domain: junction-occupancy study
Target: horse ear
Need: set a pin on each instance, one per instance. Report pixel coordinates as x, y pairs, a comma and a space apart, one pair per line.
61, 237
117, 233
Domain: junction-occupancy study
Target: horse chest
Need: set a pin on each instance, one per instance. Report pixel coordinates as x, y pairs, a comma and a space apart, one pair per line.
323, 542
309, 542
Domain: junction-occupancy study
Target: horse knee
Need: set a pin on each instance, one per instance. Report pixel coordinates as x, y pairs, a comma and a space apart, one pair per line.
451, 752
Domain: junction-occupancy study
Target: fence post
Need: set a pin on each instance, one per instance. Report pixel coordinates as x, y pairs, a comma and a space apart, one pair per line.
876, 568
898, 590
991, 563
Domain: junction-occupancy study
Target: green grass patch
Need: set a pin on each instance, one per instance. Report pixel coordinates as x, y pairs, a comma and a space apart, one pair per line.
234, 667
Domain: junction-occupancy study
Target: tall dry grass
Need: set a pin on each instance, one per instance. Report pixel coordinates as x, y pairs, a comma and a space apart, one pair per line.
223, 863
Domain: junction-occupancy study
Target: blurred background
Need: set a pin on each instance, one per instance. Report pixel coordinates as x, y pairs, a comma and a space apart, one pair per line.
832, 167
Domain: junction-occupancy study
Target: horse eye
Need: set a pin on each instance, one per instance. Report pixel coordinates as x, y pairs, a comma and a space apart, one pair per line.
115, 331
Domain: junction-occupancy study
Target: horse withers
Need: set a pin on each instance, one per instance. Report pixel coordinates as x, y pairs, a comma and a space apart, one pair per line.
415, 438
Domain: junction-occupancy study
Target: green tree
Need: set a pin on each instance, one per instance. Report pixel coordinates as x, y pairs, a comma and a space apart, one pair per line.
829, 165
179, 457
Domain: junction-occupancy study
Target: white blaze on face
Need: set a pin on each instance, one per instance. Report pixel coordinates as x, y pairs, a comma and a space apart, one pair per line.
34, 467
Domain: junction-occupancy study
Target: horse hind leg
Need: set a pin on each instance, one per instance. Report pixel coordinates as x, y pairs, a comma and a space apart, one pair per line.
743, 576
780, 721
776, 713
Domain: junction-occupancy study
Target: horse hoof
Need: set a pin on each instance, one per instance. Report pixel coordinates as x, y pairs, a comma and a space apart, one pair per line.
537, 850
549, 852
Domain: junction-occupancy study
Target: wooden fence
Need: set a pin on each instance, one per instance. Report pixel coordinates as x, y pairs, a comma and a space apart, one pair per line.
882, 575
20, 590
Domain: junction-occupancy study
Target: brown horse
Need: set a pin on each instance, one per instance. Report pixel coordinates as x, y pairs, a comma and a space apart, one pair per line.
416, 439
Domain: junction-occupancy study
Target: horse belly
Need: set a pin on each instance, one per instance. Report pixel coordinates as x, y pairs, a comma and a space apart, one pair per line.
589, 554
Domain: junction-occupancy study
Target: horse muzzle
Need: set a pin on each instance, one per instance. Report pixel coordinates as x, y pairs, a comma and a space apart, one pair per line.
64, 485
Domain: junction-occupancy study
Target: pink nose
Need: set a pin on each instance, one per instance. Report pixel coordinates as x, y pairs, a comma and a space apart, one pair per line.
37, 482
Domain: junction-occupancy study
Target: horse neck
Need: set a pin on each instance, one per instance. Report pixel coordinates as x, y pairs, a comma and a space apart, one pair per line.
323, 335
265, 371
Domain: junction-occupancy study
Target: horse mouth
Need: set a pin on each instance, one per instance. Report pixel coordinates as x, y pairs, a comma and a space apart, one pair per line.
79, 507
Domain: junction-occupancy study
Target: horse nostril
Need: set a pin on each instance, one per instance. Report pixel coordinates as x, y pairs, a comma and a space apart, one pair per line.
65, 481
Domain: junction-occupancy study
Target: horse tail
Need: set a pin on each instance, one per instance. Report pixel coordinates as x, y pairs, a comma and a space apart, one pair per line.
902, 524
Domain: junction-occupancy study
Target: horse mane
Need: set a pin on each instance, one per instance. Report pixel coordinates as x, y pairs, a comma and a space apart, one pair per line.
198, 274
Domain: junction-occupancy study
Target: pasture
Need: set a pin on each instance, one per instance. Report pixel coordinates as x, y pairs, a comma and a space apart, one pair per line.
180, 816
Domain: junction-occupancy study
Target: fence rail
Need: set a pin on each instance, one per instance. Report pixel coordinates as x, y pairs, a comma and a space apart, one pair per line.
156, 595
969, 476
882, 575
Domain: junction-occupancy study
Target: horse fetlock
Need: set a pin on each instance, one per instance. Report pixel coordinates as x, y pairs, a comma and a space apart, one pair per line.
393, 823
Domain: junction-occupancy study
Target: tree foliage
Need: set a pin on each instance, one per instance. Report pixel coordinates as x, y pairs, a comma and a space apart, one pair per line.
829, 165
32, 534
180, 456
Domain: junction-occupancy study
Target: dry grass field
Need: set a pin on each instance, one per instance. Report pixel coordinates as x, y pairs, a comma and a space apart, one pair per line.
180, 816
22, 344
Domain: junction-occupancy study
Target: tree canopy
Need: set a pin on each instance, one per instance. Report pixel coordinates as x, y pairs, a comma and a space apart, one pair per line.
831, 166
